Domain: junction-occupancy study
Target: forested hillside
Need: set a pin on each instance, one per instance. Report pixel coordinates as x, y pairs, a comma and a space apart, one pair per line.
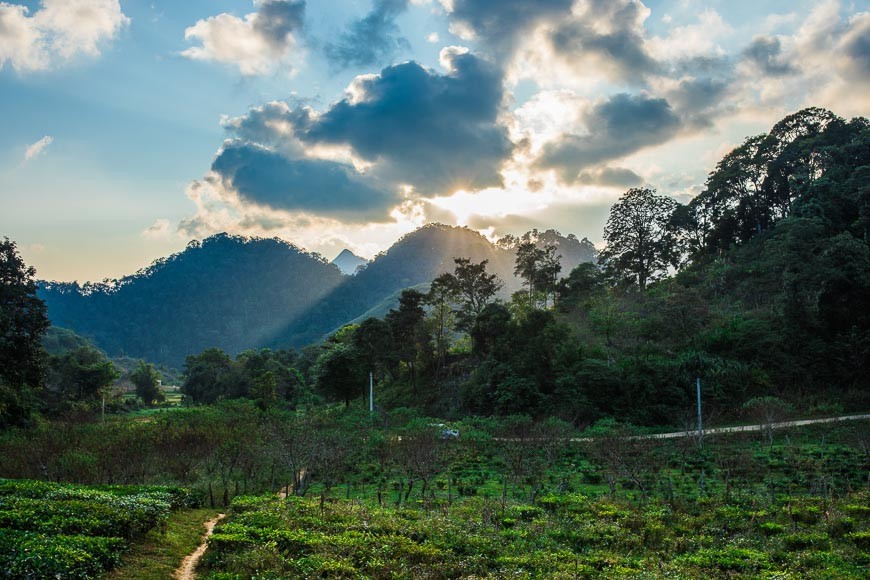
418, 258
226, 291
235, 293
759, 287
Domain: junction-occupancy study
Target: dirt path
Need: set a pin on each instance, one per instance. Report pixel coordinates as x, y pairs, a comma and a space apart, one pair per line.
740, 428
721, 430
187, 570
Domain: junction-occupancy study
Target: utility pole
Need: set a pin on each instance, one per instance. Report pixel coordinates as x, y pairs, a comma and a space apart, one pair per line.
371, 393
700, 424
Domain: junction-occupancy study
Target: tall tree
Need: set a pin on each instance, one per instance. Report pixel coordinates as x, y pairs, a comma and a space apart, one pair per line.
147, 382
548, 272
406, 327
527, 265
640, 245
476, 288
338, 373
23, 320
442, 294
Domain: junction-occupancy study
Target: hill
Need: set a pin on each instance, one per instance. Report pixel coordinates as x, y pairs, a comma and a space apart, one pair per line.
416, 259
227, 292
237, 293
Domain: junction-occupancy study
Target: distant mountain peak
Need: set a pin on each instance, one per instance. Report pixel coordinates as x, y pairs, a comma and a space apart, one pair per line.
348, 262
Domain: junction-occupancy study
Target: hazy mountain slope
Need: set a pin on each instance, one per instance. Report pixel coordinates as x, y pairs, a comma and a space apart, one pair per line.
348, 262
416, 258
226, 291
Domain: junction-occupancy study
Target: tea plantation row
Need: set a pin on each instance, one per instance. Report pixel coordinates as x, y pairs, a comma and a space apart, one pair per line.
70, 531
561, 536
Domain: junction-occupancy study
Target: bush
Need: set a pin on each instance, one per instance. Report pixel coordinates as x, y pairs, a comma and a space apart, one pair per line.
35, 555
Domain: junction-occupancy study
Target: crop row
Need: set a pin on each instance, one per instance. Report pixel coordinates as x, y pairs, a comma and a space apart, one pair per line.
562, 536
69, 531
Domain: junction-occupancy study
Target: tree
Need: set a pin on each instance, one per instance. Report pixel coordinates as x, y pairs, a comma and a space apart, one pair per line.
442, 294
539, 267
640, 245
205, 375
147, 381
548, 272
82, 375
475, 288
338, 373
264, 391
405, 325
373, 342
527, 264
767, 411
23, 321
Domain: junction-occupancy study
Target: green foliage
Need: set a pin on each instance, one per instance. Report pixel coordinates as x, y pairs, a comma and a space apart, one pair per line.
564, 536
23, 321
227, 292
80, 377
339, 375
54, 530
640, 245
264, 375
147, 381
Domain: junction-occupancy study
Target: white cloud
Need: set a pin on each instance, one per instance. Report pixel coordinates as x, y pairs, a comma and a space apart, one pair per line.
692, 40
56, 33
433, 37
219, 209
255, 44
36, 149
159, 230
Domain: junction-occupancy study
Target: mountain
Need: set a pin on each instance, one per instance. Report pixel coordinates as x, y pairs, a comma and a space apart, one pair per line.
227, 291
348, 262
415, 259
238, 293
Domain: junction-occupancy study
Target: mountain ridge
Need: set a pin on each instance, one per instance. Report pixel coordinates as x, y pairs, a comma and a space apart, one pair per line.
238, 293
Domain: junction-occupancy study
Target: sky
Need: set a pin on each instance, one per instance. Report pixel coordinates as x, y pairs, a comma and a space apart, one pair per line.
131, 127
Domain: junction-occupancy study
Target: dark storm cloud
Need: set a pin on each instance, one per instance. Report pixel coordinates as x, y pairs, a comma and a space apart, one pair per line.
370, 40
278, 18
435, 132
610, 177
766, 53
268, 178
499, 22
617, 127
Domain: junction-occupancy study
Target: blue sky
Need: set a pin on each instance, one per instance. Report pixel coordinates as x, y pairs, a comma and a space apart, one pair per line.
131, 127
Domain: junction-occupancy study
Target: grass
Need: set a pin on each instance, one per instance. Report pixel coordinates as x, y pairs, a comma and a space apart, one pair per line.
157, 555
